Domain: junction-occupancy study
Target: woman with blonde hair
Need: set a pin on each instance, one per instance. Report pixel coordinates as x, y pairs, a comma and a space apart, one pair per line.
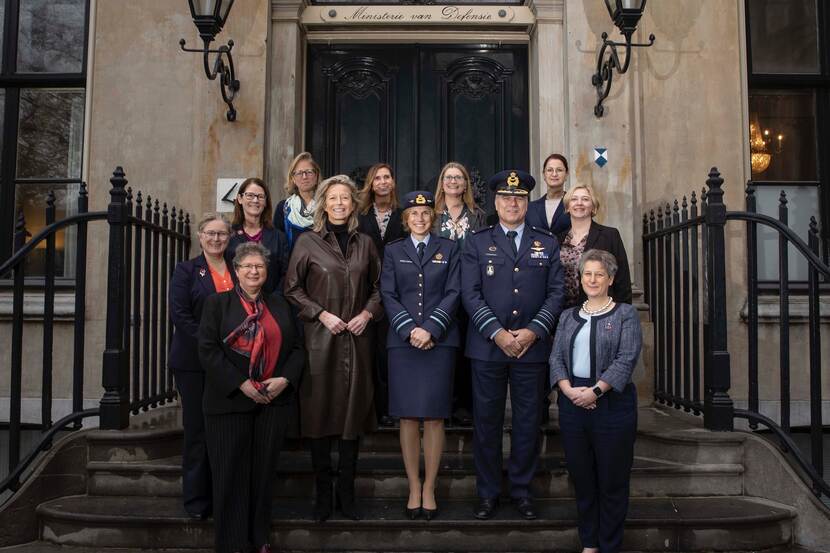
332, 279
295, 214
455, 209
582, 204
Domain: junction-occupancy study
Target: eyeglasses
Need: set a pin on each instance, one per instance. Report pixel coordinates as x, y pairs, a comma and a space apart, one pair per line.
304, 173
252, 266
216, 235
454, 177
552, 170
250, 196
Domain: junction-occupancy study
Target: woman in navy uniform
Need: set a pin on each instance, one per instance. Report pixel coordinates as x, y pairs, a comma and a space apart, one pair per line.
596, 349
420, 285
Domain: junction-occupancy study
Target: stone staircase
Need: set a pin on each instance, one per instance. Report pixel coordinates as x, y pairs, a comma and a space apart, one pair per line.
687, 495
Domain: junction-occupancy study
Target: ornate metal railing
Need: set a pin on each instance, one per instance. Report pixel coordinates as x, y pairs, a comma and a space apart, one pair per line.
686, 290
145, 241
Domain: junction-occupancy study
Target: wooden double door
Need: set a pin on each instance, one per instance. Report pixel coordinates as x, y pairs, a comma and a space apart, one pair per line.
417, 107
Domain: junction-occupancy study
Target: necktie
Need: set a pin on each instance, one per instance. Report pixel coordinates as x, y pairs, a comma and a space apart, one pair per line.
421, 247
511, 236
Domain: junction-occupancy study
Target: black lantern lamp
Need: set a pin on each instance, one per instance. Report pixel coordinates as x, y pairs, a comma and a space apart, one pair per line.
209, 17
625, 14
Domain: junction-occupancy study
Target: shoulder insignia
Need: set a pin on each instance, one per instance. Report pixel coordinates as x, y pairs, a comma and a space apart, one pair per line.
543, 231
482, 229
396, 240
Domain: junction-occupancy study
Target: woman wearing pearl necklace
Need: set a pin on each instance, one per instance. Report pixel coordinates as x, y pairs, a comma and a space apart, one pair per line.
596, 348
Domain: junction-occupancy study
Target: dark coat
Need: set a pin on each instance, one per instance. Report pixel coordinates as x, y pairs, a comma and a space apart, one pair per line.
501, 290
336, 396
608, 239
537, 217
189, 288
368, 224
421, 292
226, 370
276, 243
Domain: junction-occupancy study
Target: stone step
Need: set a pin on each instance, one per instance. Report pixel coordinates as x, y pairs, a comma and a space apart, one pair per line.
383, 476
653, 524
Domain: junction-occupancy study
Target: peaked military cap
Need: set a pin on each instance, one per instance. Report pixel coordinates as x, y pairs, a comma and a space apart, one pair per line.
418, 198
512, 182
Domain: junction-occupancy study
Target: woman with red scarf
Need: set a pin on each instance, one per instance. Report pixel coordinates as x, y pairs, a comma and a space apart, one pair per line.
253, 359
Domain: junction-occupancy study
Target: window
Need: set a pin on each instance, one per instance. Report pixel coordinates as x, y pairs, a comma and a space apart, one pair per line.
789, 117
42, 99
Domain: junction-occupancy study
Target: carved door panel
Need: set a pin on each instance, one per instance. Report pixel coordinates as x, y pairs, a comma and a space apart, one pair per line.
417, 107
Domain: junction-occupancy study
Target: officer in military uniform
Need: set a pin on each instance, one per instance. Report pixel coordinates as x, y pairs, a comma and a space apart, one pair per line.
512, 287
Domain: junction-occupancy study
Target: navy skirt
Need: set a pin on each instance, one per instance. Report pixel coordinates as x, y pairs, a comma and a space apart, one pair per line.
420, 382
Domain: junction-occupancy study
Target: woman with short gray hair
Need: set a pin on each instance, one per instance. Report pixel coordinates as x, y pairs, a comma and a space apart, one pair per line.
193, 281
596, 347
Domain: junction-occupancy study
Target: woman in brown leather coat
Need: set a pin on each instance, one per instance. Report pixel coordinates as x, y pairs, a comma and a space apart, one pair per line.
333, 280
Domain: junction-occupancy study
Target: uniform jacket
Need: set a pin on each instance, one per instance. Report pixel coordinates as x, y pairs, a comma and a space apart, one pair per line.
189, 288
368, 224
537, 217
276, 243
616, 341
421, 292
226, 370
608, 239
503, 291
336, 395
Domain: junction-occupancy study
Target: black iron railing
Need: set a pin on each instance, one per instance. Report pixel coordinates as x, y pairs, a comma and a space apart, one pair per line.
686, 290
145, 242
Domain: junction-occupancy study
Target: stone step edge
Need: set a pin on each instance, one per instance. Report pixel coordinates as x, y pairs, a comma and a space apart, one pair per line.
784, 513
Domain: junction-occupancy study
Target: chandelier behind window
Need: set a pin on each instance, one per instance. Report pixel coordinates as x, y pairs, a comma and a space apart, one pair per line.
760, 147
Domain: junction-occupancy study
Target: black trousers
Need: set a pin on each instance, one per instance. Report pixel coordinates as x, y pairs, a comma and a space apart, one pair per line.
599, 452
196, 480
244, 448
381, 374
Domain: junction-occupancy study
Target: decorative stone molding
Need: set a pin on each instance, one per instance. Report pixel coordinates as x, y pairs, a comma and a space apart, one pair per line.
769, 310
287, 10
33, 306
548, 11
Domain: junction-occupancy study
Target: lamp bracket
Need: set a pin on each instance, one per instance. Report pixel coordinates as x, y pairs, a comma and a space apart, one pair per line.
607, 64
228, 83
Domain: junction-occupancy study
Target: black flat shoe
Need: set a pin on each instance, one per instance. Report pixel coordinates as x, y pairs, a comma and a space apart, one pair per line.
412, 514
486, 508
525, 507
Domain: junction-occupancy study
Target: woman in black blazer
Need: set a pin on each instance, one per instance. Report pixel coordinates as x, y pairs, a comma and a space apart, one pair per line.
193, 281
379, 216
548, 212
253, 222
582, 203
253, 359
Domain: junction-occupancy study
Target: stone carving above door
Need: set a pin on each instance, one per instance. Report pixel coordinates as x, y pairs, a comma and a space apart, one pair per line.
476, 77
360, 76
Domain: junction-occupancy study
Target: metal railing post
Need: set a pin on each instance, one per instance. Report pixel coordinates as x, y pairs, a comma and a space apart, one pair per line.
115, 403
718, 409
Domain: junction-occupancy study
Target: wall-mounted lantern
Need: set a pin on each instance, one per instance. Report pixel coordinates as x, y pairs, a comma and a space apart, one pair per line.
209, 17
625, 14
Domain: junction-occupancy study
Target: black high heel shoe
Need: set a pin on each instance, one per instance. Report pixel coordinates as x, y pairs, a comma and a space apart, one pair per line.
430, 514
412, 514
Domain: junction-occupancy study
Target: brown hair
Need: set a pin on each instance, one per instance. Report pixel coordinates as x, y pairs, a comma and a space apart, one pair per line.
591, 192
290, 187
560, 157
267, 213
467, 197
320, 216
405, 217
367, 194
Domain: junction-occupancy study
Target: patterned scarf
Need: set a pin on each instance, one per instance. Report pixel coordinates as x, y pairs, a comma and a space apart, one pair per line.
248, 339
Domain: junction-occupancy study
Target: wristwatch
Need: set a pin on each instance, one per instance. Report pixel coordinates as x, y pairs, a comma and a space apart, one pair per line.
597, 391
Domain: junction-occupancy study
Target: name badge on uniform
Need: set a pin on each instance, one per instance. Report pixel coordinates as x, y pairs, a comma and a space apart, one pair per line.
490, 270
404, 261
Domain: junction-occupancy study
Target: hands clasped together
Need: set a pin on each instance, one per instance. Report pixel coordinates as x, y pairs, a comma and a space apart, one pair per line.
269, 389
515, 343
336, 325
581, 396
421, 338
